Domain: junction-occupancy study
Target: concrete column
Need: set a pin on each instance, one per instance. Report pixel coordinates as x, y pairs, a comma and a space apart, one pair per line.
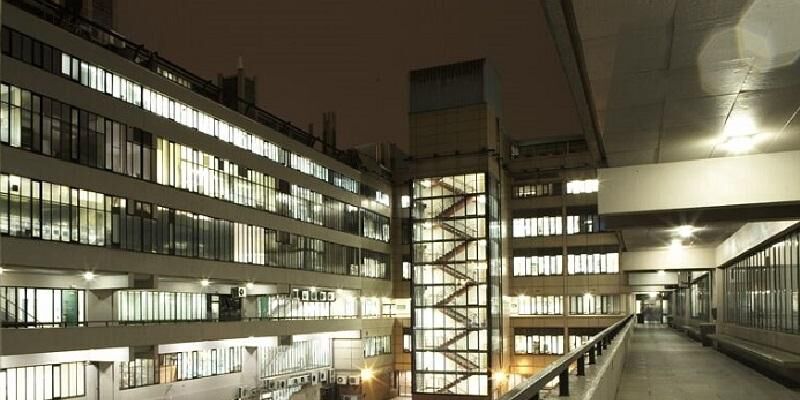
92, 378
250, 376
718, 293
249, 307
105, 380
99, 305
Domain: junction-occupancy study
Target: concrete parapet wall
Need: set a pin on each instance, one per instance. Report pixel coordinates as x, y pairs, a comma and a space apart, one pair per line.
602, 379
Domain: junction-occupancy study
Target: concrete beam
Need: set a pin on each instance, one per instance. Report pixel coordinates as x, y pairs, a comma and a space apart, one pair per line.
561, 20
652, 278
668, 259
748, 236
715, 189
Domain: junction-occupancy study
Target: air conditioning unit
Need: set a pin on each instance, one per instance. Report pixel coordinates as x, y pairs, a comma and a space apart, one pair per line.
295, 381
313, 378
341, 380
281, 385
323, 376
354, 380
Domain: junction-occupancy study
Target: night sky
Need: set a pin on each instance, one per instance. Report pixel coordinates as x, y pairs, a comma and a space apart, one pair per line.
353, 57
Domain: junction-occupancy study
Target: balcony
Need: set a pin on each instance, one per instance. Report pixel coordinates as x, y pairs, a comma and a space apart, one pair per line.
103, 334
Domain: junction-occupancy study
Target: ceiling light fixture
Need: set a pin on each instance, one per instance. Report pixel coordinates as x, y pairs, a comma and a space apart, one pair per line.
661, 272
685, 231
88, 275
204, 282
250, 285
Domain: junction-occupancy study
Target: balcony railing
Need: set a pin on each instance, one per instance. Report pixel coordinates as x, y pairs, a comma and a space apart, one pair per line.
529, 389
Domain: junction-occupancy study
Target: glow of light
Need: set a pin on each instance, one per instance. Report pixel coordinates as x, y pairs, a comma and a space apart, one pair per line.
685, 231
653, 295
739, 144
676, 244
587, 294
204, 282
1, 271
88, 275
250, 285
499, 377
425, 182
367, 374
661, 272
740, 134
742, 125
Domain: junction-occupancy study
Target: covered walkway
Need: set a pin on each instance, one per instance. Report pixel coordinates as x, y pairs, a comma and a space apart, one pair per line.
663, 364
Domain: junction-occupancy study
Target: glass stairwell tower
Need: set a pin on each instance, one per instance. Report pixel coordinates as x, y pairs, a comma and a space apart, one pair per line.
456, 236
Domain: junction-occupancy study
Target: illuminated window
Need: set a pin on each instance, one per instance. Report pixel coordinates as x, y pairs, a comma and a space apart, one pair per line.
376, 345
592, 263
55, 381
56, 129
406, 270
537, 226
591, 304
583, 186
77, 216
540, 265
42, 308
406, 340
295, 357
536, 190
539, 305
538, 341
111, 83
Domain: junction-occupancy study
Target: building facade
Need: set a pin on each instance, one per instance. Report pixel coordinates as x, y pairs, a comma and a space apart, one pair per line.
158, 244
162, 237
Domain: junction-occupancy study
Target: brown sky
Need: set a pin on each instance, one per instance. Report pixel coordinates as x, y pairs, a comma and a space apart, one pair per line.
353, 57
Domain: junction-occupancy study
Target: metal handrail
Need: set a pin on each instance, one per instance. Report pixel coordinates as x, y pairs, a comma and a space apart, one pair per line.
112, 323
529, 390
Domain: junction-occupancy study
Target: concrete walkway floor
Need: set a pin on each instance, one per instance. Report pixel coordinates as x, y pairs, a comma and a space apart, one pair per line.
664, 364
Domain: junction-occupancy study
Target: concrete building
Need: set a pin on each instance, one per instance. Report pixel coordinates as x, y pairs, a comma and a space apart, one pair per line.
158, 244
161, 237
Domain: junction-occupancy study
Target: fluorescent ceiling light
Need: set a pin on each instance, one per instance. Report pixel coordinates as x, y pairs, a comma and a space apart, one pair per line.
685, 231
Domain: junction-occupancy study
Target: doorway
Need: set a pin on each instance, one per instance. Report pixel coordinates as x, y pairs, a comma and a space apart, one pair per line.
649, 309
